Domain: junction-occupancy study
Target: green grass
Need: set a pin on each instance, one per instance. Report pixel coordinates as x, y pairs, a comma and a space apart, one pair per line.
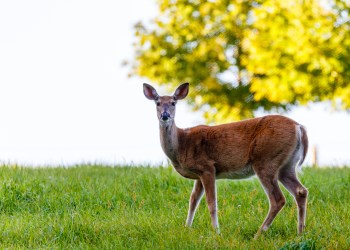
96, 207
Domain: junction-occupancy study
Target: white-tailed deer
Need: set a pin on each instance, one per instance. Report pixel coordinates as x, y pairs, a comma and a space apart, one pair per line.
270, 147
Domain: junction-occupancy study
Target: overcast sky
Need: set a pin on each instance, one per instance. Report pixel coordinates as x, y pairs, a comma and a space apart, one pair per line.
66, 99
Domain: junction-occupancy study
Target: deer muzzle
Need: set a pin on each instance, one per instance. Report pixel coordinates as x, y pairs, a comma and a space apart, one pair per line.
165, 116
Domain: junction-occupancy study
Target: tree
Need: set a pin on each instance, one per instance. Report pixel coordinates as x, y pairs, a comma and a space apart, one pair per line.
298, 52
241, 56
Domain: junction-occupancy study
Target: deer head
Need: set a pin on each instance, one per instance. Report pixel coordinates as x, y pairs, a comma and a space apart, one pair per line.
165, 104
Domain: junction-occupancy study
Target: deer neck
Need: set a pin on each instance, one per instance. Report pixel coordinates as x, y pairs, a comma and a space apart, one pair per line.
169, 140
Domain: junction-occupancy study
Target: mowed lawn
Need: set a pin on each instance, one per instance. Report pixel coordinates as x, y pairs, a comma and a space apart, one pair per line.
98, 207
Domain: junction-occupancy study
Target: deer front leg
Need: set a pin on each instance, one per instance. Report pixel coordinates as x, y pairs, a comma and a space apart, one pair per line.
208, 181
195, 198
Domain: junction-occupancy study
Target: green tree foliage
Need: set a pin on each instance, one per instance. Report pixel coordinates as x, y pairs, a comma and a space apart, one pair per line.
240, 56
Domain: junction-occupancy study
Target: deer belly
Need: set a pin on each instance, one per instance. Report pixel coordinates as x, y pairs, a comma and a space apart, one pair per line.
241, 173
186, 173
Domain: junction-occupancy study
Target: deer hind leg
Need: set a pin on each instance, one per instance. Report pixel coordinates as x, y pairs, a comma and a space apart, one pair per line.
275, 195
196, 196
290, 181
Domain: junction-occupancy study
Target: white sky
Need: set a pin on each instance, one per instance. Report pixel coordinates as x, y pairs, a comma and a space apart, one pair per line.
66, 99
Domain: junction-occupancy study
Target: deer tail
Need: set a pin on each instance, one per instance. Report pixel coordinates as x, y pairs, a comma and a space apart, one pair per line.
304, 141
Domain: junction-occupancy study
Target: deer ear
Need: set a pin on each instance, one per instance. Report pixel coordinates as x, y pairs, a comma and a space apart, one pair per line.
150, 92
182, 91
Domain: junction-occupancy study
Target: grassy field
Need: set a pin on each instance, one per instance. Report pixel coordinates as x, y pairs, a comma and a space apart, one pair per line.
96, 207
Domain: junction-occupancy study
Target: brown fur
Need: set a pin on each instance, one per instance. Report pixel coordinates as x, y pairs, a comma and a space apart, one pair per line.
230, 147
270, 147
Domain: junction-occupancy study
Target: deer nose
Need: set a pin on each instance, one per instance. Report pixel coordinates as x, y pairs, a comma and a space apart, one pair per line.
165, 116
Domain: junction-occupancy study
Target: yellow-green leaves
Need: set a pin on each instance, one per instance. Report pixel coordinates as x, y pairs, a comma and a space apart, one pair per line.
240, 56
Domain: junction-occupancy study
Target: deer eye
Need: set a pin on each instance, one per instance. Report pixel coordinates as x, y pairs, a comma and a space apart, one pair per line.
158, 103
173, 103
